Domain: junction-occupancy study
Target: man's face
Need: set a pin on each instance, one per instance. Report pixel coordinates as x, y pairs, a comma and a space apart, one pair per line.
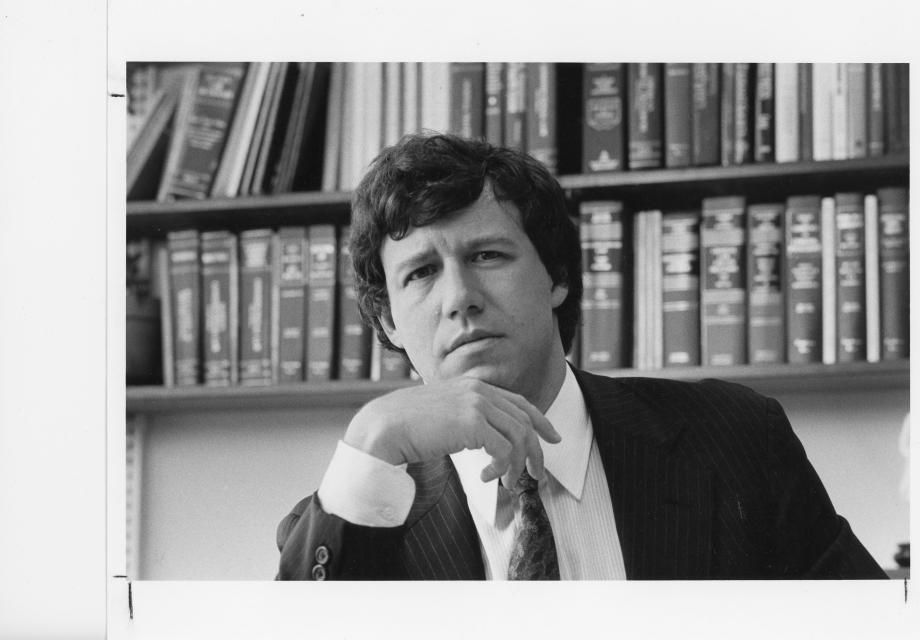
469, 296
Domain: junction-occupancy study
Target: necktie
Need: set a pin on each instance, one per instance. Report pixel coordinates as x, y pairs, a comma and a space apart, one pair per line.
533, 555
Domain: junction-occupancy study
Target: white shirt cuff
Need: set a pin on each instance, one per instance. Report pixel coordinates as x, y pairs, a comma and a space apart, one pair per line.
365, 490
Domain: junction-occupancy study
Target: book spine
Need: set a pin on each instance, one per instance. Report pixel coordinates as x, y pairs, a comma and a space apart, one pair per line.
185, 302
680, 288
640, 273
219, 293
387, 364
354, 336
875, 144
255, 305
806, 112
766, 321
541, 114
392, 103
291, 281
495, 103
803, 279
704, 133
873, 307
764, 125
787, 112
603, 132
601, 232
850, 252
412, 97
722, 288
515, 105
822, 113
894, 273
857, 114
467, 89
727, 114
744, 113
435, 96
840, 112
677, 114
321, 316
828, 282
167, 338
646, 140
895, 77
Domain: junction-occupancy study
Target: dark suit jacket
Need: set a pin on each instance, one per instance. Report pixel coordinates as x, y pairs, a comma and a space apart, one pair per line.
707, 481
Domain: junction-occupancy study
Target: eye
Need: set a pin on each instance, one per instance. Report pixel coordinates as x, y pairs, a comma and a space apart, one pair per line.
486, 255
418, 274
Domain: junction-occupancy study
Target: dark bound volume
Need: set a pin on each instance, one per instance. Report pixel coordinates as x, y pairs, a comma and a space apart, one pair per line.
185, 304
722, 287
467, 91
704, 135
515, 105
386, 364
646, 142
291, 285
219, 272
677, 114
354, 335
680, 287
321, 302
894, 272
203, 139
541, 114
255, 307
602, 343
897, 112
604, 120
764, 126
850, 252
806, 116
876, 111
803, 280
495, 103
744, 112
727, 114
766, 317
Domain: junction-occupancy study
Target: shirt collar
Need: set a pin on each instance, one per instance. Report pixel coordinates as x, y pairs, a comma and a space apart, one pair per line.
566, 461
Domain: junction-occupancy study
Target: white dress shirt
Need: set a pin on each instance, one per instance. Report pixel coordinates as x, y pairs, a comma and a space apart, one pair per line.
365, 490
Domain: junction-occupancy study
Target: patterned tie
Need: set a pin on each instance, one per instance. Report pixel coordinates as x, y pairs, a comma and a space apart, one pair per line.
533, 556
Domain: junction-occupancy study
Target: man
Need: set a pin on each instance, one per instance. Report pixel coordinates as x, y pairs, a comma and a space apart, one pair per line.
466, 262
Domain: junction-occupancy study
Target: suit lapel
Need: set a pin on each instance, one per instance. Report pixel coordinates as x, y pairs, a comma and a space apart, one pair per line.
662, 499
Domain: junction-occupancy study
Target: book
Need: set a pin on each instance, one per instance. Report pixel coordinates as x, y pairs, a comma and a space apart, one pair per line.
645, 118
704, 128
540, 119
850, 253
321, 312
291, 254
495, 103
147, 151
875, 127
603, 321
412, 97
677, 114
680, 288
823, 83
857, 113
275, 131
335, 106
763, 123
727, 114
304, 172
354, 337
185, 305
435, 96
897, 113
200, 142
387, 364
392, 104
259, 137
603, 130
723, 294
219, 292
787, 112
163, 286
803, 279
806, 111
873, 298
828, 281
255, 307
640, 275
744, 85
766, 304
352, 126
650, 331
894, 272
515, 125
467, 95
840, 112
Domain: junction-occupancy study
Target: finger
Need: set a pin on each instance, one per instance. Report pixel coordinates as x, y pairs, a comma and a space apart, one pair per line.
513, 424
541, 425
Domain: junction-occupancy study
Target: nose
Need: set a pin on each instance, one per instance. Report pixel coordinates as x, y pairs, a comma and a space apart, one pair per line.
461, 295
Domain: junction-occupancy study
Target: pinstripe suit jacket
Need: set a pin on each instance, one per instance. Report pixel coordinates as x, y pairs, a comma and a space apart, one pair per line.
707, 481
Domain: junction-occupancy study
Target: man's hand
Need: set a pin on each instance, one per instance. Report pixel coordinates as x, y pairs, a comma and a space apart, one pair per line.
430, 421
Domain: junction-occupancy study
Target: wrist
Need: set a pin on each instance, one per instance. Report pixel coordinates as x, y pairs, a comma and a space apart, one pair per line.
370, 432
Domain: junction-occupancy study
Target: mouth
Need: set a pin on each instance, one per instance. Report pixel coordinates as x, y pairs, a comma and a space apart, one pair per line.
474, 338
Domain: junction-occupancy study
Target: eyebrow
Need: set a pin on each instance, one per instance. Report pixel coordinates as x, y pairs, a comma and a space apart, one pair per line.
472, 244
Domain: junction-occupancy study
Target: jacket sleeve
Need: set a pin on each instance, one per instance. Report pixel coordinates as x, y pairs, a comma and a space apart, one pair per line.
316, 545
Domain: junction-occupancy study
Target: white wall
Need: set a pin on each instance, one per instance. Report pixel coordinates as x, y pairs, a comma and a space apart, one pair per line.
216, 484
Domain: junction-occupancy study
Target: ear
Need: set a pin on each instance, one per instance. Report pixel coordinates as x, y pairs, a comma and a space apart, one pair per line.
386, 322
559, 293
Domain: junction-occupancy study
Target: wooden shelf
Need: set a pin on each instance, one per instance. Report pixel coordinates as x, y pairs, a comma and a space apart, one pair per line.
338, 394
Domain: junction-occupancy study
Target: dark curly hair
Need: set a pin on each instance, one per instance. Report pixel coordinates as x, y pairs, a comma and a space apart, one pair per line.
423, 178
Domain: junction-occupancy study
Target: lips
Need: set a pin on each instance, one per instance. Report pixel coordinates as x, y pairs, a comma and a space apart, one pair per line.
469, 337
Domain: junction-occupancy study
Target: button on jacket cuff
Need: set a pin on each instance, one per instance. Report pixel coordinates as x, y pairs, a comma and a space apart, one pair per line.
365, 490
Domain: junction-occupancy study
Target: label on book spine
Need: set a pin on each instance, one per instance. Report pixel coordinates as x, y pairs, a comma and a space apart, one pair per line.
255, 306
743, 109
764, 127
894, 273
646, 141
291, 277
850, 251
677, 114
722, 287
601, 229
876, 126
185, 303
467, 80
680, 288
603, 133
495, 103
766, 322
321, 302
803, 280
515, 105
354, 335
219, 290
541, 114
704, 135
